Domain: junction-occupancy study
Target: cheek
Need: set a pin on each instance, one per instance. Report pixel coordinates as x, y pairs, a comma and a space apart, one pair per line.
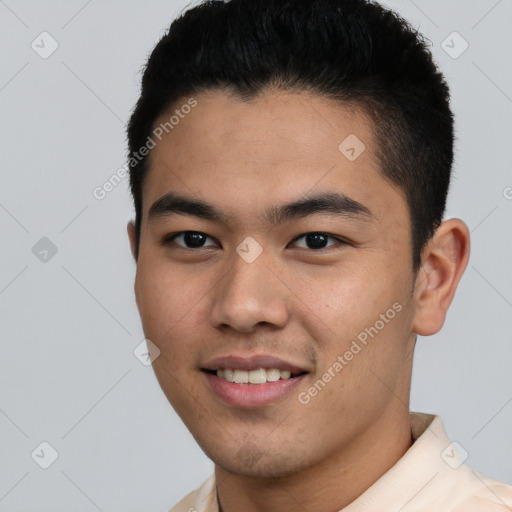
164, 301
346, 303
173, 313
360, 308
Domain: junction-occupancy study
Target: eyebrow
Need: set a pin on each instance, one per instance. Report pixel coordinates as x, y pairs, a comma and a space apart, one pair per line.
330, 203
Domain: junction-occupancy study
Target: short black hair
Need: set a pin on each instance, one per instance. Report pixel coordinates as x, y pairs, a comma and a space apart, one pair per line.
354, 51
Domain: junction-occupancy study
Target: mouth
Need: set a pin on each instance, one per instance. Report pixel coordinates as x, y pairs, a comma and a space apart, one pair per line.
253, 381
254, 377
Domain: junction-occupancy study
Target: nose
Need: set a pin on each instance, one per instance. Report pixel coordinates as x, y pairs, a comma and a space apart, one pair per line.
250, 294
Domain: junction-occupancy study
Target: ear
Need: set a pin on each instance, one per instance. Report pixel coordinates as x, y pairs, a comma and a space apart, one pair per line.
444, 260
131, 235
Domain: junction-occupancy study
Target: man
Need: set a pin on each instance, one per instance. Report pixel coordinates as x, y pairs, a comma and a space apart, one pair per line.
290, 162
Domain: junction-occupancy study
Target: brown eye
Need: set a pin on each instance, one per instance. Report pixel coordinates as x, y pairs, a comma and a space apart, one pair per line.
317, 240
188, 239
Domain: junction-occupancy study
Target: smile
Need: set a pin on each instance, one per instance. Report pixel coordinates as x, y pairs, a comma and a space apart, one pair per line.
252, 389
258, 376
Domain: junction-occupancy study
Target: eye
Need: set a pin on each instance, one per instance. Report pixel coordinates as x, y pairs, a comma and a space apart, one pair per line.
190, 239
317, 240
197, 240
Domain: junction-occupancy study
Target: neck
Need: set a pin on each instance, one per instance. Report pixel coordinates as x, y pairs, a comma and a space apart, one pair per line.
330, 485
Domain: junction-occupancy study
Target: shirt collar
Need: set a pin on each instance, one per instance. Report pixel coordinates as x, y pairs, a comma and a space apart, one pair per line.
407, 486
408, 482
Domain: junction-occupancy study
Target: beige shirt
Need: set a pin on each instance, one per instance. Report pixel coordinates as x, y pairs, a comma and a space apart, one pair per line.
430, 477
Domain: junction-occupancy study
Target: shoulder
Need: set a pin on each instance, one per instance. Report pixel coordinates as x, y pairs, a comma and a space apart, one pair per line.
202, 499
488, 495
187, 503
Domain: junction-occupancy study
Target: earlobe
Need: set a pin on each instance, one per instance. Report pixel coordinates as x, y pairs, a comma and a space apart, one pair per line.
444, 260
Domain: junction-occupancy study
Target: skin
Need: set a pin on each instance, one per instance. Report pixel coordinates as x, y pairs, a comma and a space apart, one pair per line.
296, 302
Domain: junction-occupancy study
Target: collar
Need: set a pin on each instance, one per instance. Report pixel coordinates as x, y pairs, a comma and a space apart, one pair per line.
428, 472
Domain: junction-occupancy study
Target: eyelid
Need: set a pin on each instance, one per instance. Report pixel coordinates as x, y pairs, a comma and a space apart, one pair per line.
339, 240
171, 236
167, 239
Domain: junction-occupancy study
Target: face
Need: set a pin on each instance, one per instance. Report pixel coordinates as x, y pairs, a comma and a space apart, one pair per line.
237, 280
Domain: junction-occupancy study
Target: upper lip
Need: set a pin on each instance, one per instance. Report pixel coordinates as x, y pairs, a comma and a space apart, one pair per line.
252, 363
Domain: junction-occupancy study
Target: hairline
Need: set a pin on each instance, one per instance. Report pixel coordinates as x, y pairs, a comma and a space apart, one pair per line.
372, 116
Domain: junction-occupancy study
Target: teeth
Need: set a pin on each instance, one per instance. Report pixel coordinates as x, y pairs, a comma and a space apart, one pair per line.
273, 375
259, 376
240, 377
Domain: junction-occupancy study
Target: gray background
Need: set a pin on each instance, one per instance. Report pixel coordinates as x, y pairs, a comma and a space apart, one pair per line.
69, 325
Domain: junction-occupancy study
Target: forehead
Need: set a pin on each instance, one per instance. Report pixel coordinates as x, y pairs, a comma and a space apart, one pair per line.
278, 146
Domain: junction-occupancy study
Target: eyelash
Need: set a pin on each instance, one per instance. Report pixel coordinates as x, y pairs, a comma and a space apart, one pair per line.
172, 236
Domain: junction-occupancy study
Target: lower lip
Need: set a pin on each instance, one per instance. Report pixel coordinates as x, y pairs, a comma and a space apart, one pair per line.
252, 395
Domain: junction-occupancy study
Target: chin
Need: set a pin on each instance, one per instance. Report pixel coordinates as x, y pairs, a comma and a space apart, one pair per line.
251, 461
